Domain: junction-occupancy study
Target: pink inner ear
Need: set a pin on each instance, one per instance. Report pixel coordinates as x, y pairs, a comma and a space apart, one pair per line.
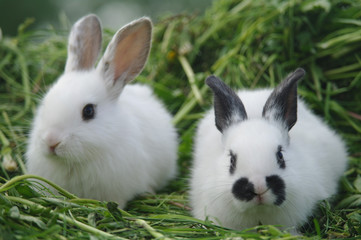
89, 58
131, 53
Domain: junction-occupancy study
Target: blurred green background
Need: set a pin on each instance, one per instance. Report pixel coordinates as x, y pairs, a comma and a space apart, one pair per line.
113, 13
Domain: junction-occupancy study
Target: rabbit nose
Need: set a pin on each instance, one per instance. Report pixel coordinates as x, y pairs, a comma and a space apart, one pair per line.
52, 140
53, 147
260, 187
261, 191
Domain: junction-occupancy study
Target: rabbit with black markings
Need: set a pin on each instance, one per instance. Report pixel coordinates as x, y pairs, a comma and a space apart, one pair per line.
92, 134
267, 160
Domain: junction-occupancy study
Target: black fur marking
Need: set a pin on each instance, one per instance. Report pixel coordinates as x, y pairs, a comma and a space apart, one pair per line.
233, 165
280, 160
88, 112
243, 190
281, 105
277, 186
228, 107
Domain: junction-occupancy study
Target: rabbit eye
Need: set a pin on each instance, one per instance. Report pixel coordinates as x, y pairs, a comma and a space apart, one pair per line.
280, 159
88, 112
233, 162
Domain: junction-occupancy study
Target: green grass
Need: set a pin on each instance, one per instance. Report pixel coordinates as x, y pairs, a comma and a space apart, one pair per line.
249, 44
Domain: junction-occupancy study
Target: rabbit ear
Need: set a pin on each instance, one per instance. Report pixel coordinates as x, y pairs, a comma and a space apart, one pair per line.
126, 54
84, 45
228, 107
281, 105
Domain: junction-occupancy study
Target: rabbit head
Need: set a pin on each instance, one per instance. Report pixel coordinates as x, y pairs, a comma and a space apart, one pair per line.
76, 116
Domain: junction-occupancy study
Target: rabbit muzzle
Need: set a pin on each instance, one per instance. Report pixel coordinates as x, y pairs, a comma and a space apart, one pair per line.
244, 190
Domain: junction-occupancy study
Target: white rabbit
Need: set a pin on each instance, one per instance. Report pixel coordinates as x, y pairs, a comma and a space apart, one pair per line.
92, 135
260, 167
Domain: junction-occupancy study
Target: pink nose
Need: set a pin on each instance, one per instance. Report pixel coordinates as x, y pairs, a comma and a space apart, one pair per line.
53, 147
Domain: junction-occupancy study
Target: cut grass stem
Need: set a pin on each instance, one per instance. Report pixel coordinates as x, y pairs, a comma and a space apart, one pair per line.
64, 218
16, 180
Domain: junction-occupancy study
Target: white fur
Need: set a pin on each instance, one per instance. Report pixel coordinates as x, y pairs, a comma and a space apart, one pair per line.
129, 148
315, 159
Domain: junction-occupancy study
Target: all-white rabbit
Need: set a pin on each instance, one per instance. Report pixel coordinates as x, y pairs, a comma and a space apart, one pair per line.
94, 135
262, 157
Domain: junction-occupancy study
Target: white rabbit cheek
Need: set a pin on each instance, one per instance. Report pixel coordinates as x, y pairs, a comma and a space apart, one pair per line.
67, 140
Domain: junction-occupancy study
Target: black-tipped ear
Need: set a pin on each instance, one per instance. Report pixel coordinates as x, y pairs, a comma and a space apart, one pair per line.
228, 107
281, 105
